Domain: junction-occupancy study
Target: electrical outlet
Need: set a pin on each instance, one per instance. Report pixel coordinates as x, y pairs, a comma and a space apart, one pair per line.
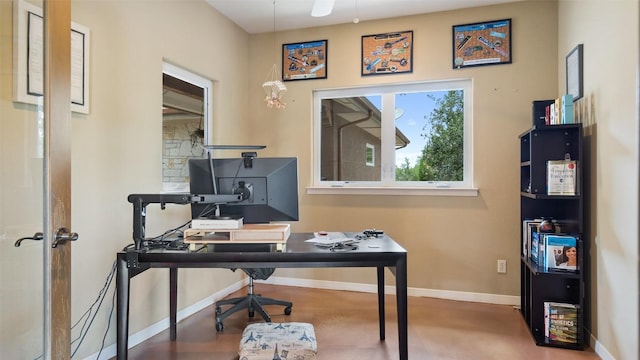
502, 266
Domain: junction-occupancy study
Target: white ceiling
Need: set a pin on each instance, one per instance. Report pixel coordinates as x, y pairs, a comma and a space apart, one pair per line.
257, 16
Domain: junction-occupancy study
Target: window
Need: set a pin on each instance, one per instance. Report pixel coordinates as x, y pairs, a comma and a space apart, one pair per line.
371, 155
414, 136
186, 109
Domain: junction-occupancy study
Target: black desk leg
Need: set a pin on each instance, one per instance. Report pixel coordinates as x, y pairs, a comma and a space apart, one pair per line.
401, 300
381, 301
122, 313
173, 302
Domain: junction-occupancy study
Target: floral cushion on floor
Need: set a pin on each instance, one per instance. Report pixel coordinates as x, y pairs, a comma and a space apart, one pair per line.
285, 341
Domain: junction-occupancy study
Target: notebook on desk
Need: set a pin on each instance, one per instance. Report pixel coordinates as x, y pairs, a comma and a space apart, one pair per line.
323, 238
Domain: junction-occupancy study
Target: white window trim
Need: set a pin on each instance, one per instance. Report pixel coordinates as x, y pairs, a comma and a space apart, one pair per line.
466, 188
373, 190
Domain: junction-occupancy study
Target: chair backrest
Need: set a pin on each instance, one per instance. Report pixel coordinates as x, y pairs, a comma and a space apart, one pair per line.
259, 273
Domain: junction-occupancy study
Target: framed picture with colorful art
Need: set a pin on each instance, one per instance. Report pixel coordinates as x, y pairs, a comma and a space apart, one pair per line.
389, 53
304, 60
483, 43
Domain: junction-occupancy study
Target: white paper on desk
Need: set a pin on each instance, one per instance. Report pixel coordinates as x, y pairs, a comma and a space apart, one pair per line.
329, 238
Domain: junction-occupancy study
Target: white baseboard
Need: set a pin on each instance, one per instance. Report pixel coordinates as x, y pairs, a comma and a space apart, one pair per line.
599, 349
440, 294
388, 289
163, 324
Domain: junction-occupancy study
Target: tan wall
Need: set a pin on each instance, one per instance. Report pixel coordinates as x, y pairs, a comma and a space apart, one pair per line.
453, 242
117, 147
609, 111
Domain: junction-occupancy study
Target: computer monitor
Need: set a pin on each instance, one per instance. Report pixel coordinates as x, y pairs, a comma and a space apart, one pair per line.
269, 187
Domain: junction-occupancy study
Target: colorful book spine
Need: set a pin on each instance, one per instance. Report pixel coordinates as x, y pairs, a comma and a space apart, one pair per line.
556, 112
535, 242
567, 109
547, 115
528, 226
538, 246
542, 240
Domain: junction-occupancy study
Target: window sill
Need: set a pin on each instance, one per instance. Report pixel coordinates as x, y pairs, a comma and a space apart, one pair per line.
347, 190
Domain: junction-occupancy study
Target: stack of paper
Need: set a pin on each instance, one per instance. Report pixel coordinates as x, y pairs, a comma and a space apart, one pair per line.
329, 238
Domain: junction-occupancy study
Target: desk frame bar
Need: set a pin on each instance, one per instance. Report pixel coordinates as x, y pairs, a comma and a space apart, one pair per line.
124, 275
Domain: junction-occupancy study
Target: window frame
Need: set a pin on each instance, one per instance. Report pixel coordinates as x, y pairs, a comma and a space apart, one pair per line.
388, 185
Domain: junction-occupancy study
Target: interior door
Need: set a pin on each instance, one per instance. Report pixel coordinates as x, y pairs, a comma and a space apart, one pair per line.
35, 196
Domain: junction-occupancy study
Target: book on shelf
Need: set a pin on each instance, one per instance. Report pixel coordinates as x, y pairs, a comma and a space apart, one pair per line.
561, 252
547, 115
552, 113
538, 246
542, 246
566, 109
558, 111
535, 244
528, 225
538, 232
539, 112
561, 177
561, 322
220, 222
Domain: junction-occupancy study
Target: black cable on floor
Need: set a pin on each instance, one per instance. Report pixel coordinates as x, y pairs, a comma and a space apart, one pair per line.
87, 324
113, 303
85, 329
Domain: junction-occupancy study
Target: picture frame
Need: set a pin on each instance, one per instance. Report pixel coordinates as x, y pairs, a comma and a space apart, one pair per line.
481, 43
574, 74
29, 63
387, 53
304, 60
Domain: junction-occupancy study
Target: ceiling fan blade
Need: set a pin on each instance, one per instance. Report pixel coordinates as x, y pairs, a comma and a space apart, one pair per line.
322, 8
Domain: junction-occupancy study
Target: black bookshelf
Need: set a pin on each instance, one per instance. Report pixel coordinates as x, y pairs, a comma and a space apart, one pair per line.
539, 145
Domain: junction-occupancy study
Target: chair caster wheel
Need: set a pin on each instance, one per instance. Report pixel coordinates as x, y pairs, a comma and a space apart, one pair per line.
287, 310
251, 314
219, 326
218, 310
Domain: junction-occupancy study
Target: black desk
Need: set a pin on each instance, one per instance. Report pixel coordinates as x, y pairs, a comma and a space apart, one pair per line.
379, 253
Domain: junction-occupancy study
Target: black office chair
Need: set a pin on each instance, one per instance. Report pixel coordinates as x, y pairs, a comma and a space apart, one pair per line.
253, 302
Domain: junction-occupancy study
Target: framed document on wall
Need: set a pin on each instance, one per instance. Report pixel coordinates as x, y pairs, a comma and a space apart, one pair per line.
29, 59
574, 73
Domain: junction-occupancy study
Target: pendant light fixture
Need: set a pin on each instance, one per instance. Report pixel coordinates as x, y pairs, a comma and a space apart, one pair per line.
273, 85
356, 19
